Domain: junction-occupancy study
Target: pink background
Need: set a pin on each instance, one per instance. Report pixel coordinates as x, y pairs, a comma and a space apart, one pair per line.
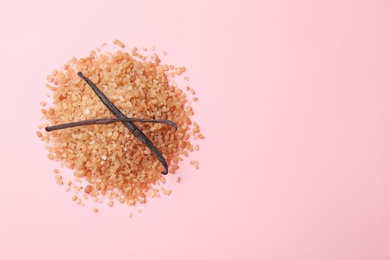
294, 104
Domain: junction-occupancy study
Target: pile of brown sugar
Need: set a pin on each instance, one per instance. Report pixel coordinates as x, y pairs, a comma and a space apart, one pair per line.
108, 159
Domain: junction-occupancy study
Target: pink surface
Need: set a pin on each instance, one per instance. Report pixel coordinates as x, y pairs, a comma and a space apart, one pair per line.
294, 103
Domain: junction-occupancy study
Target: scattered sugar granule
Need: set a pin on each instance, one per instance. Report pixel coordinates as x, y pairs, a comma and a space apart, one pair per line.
119, 43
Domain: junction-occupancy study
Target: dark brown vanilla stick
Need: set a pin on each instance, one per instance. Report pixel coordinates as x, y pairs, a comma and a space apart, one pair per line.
132, 128
107, 121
